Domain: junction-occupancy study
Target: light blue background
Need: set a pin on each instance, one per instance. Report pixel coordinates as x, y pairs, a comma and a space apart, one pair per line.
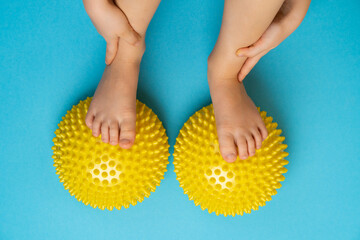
51, 57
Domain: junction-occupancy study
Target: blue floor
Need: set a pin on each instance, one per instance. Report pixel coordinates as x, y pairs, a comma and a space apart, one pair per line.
51, 57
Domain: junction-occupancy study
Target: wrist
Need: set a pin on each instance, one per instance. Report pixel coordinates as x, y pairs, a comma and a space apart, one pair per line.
130, 53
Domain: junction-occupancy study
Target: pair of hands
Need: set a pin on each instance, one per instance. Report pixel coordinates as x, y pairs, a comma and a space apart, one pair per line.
111, 23
286, 21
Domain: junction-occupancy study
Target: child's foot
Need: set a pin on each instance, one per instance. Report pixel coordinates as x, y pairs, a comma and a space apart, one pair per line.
239, 125
112, 112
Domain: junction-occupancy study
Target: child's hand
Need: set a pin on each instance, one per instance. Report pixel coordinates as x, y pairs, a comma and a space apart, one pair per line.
287, 20
111, 23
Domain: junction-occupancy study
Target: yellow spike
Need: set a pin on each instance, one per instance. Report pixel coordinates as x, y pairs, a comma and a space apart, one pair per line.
227, 188
103, 175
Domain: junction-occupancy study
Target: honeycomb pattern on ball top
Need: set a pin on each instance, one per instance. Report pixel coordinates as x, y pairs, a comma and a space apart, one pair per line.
106, 176
221, 187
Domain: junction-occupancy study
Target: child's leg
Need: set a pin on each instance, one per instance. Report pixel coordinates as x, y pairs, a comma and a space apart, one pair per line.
239, 125
112, 111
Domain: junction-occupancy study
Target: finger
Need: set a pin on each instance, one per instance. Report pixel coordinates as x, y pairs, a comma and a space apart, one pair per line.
248, 65
111, 49
126, 31
252, 50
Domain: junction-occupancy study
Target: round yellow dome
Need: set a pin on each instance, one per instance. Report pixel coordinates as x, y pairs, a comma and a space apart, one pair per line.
107, 176
221, 187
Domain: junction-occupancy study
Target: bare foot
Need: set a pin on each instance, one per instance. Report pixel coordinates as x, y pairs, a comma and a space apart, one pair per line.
239, 125
112, 112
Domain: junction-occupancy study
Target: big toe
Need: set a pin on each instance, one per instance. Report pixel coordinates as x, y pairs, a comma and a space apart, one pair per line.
96, 126
227, 147
127, 134
89, 119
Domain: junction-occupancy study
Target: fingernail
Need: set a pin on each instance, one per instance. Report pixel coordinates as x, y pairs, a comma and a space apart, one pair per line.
231, 157
239, 53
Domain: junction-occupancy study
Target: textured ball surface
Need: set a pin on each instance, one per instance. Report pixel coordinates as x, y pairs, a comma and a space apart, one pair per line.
107, 176
221, 187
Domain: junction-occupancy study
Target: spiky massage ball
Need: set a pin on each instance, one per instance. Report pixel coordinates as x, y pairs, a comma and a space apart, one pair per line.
107, 176
221, 187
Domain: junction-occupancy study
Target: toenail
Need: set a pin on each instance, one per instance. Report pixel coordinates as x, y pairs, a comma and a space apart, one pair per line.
231, 156
243, 157
124, 141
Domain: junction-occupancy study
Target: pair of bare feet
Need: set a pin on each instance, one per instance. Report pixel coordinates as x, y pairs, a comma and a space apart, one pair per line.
112, 112
240, 129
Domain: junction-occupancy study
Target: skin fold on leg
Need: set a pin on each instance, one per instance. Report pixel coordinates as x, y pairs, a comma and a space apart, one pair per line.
239, 125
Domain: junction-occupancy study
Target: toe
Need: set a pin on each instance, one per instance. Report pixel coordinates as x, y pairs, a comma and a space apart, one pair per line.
114, 133
96, 127
89, 119
127, 134
258, 138
105, 133
251, 145
242, 147
227, 147
263, 131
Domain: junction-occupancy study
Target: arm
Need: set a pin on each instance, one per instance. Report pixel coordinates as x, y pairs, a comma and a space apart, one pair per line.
111, 23
288, 19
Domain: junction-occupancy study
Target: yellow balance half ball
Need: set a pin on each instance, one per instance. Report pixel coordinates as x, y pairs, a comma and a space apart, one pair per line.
221, 187
107, 176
